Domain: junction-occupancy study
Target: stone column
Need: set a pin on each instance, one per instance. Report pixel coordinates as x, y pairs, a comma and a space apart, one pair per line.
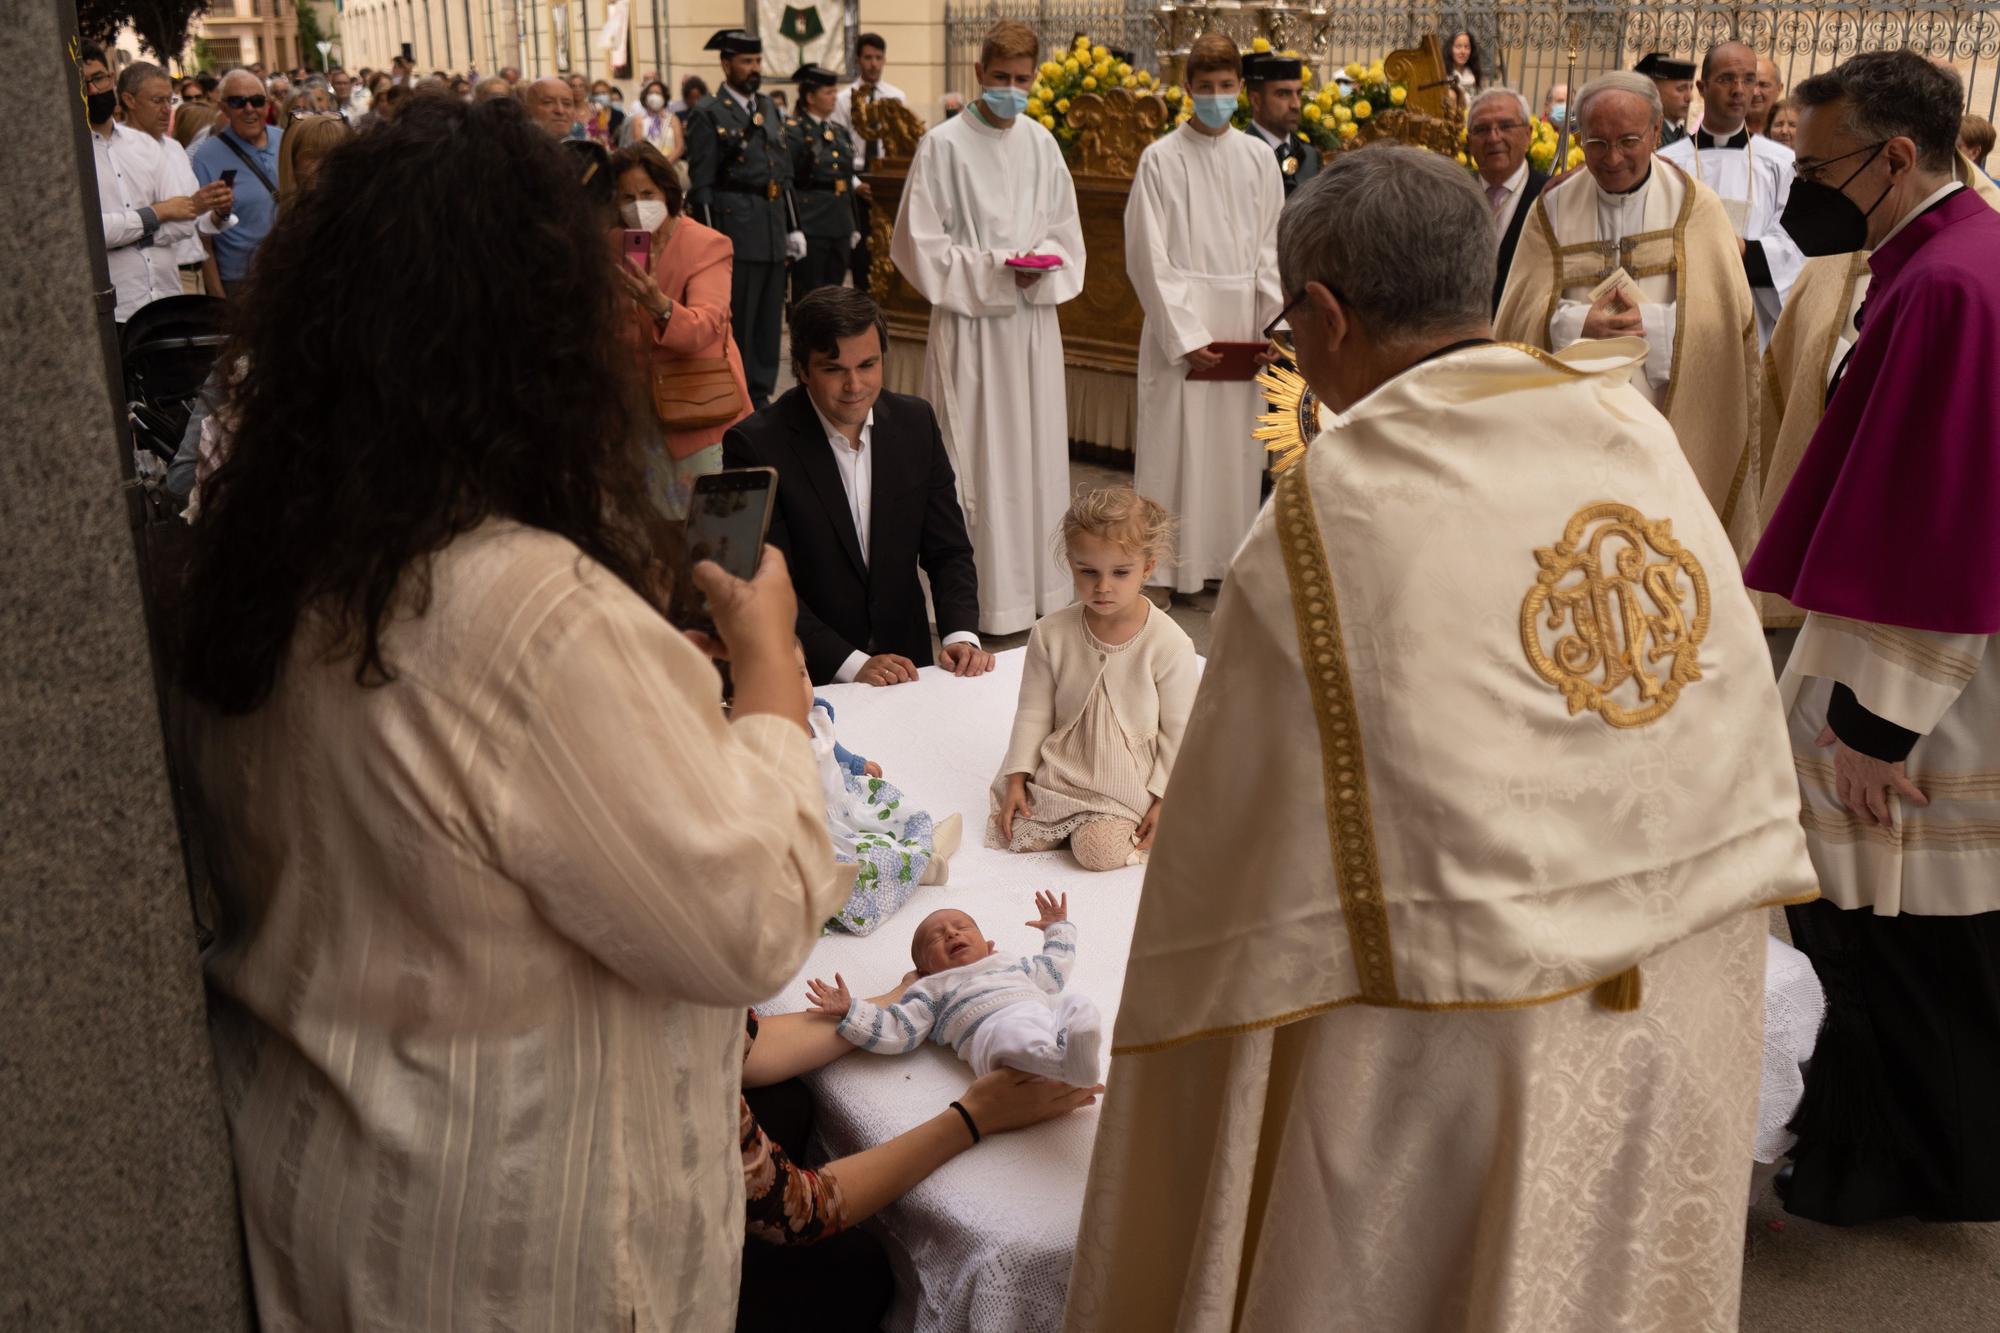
115, 1180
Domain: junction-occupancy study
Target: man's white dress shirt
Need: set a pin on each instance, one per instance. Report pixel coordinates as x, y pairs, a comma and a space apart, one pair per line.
843, 114
855, 462
129, 182
1509, 203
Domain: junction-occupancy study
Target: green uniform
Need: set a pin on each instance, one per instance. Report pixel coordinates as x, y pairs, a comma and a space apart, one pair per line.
823, 185
1298, 161
740, 183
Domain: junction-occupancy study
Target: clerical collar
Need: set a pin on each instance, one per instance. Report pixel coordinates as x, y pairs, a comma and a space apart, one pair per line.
1740, 139
1621, 196
1449, 348
1930, 201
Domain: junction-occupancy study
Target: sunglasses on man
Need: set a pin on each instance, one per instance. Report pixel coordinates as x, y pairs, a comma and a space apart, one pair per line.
238, 102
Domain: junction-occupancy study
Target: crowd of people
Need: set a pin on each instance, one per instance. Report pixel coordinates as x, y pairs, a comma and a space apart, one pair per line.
498, 868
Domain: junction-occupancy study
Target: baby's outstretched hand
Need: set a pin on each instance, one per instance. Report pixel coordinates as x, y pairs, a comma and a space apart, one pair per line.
825, 999
1052, 908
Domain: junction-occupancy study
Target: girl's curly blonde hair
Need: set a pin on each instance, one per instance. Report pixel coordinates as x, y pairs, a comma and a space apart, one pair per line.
1119, 514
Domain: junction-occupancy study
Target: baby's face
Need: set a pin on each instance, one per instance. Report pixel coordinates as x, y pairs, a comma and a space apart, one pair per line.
946, 939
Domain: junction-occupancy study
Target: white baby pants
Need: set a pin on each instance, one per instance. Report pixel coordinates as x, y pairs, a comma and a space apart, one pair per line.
1059, 1040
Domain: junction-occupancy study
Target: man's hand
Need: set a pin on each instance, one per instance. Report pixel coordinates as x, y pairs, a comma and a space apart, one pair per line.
965, 659
795, 245
1025, 278
865, 190
1203, 358
1017, 803
1612, 316
1865, 784
1742, 247
887, 669
871, 768
180, 208
1052, 908
1148, 827
825, 999
216, 198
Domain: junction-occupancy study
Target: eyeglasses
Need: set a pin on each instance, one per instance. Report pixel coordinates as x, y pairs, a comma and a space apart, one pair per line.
1496, 128
1624, 143
1272, 332
1808, 169
238, 102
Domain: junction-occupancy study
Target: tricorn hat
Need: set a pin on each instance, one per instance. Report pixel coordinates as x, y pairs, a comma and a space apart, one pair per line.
1660, 65
1271, 67
735, 42
810, 76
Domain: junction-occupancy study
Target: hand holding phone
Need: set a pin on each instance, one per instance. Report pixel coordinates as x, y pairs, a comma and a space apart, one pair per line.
228, 178
638, 249
729, 513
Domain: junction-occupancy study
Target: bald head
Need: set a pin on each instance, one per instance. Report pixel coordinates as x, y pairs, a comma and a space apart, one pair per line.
1728, 83
551, 105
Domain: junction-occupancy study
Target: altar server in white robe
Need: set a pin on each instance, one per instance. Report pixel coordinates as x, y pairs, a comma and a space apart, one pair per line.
1444, 1013
1631, 210
1201, 237
1751, 174
988, 187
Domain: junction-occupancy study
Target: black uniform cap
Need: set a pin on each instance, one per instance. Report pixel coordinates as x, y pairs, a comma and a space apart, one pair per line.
1270, 67
810, 77
1660, 65
735, 42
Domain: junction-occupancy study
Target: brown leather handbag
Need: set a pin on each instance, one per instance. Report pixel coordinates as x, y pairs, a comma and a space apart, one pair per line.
694, 392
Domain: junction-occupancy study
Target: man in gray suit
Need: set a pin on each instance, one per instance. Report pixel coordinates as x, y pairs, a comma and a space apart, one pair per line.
740, 183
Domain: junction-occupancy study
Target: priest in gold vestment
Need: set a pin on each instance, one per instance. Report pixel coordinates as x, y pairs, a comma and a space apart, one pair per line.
1633, 213
1814, 334
1447, 1012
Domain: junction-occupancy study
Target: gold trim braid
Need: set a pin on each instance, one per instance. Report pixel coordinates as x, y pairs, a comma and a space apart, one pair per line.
1349, 825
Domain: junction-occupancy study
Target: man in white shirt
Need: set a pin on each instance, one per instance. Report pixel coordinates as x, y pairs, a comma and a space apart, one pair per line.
145, 93
142, 222
871, 53
866, 497
1751, 174
1498, 131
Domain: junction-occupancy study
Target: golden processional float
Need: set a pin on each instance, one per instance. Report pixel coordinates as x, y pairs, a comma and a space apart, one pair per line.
1104, 113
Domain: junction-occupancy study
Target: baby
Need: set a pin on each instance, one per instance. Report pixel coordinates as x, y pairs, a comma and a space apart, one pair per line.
993, 1009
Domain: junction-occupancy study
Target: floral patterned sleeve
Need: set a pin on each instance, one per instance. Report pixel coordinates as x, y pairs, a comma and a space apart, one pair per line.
785, 1203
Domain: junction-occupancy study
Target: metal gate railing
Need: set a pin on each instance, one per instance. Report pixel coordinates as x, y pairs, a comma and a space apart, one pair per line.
1526, 43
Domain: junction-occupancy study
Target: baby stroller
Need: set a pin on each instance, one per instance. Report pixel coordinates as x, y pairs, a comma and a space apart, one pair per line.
168, 348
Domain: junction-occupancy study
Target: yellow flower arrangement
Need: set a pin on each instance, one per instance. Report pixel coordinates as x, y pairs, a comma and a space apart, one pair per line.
1399, 94
1311, 112
1348, 129
1086, 66
1261, 46
1362, 110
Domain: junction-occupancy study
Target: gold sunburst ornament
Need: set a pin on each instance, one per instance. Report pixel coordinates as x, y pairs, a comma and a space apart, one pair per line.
1293, 421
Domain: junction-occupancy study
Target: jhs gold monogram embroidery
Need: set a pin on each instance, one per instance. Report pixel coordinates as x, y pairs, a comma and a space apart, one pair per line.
1625, 608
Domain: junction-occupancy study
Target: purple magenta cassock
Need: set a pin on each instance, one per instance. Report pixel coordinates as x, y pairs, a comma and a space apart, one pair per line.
1894, 513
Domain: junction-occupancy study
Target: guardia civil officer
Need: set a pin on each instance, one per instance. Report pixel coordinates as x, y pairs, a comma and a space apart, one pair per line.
822, 183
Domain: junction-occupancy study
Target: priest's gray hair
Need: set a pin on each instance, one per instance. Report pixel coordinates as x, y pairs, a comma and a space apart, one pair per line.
1402, 235
1618, 81
1893, 94
1527, 112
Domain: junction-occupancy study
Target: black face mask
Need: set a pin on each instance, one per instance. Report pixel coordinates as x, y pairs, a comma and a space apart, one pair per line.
1822, 220
99, 106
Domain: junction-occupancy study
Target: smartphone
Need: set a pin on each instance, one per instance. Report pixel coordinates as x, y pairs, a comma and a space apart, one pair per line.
728, 515
229, 178
639, 249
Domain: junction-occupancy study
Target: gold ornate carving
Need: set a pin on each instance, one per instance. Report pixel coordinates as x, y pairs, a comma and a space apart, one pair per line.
881, 268
889, 122
1293, 421
1116, 127
1350, 822
1635, 602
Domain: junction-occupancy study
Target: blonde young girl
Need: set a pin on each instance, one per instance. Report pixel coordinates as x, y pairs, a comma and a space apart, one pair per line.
1105, 695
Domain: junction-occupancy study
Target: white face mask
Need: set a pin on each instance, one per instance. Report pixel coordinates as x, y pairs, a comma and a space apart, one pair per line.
654, 101
643, 214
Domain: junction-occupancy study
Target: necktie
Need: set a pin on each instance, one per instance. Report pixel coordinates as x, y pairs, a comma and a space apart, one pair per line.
1496, 195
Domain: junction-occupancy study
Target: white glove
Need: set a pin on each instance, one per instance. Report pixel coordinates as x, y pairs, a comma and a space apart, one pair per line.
795, 245
853, 239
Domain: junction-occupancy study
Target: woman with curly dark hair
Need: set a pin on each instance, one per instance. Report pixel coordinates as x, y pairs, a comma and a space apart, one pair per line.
493, 878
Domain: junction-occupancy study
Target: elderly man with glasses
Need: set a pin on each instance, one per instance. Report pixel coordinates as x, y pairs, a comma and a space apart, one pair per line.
246, 147
1634, 247
1491, 837
1498, 131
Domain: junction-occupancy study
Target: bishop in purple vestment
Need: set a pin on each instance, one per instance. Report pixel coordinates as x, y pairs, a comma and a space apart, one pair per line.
1889, 538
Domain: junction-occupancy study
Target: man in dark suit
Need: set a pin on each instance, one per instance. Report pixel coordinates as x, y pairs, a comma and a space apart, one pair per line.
1274, 85
1498, 129
740, 183
866, 497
